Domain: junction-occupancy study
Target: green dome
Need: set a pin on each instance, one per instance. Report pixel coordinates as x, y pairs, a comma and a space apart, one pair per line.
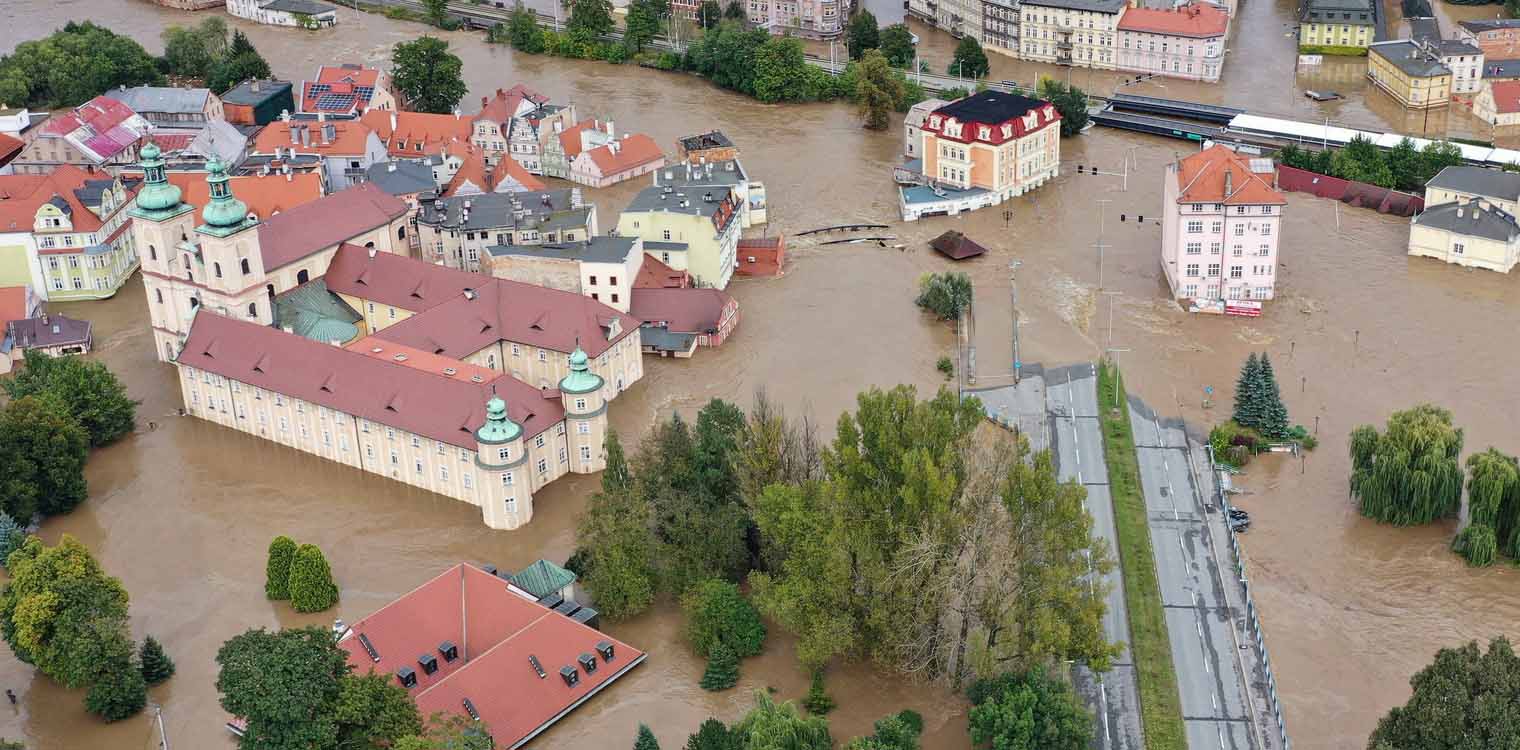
499, 428
581, 379
223, 211
157, 194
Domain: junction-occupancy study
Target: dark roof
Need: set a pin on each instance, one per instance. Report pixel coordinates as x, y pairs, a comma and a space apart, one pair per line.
990, 107
1410, 58
48, 330
957, 246
497, 210
1490, 183
307, 7
1497, 24
661, 339
1454, 47
496, 632
687, 310
1355, 12
594, 250
313, 311
1471, 219
1501, 68
161, 99
244, 94
1424, 29
298, 232
722, 172
712, 139
1096, 6
401, 176
430, 404
656, 199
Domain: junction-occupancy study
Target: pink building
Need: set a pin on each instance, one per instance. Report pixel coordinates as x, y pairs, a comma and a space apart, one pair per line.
1222, 219
1185, 42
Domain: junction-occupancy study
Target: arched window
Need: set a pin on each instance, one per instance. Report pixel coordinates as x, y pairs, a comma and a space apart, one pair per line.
253, 309
168, 350
217, 267
159, 293
400, 233
195, 302
491, 361
152, 253
369, 244
244, 263
302, 276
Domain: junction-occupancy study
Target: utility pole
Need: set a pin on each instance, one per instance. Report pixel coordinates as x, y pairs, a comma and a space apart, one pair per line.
1113, 356
1013, 295
1111, 301
1102, 202
163, 737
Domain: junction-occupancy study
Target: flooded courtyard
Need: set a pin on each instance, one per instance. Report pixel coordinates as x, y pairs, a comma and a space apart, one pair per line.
182, 514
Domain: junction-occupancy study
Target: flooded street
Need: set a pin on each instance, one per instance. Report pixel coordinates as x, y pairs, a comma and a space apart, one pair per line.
1350, 609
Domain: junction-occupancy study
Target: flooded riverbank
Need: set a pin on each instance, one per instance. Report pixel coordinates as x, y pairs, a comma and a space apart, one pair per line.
183, 514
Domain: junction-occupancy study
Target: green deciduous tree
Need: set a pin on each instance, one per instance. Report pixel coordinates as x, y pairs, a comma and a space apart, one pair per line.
1493, 508
782, 73
717, 612
862, 34
969, 61
75, 63
429, 76
62, 613
119, 692
726, 54
780, 725
1467, 698
373, 712
436, 12
189, 51
156, 665
86, 388
1437, 156
282, 550
641, 25
523, 31
311, 583
1361, 161
879, 90
709, 14
615, 533
1408, 474
944, 294
449, 732
1070, 101
1476, 544
285, 684
714, 735
899, 731
897, 45
1031, 710
722, 670
589, 19
734, 11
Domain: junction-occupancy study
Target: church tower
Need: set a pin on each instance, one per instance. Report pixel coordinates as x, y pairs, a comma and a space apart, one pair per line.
161, 222
505, 489
585, 415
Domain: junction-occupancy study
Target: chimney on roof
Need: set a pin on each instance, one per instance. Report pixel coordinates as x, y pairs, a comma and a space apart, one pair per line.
295, 132
393, 121
372, 252
254, 85
329, 133
1229, 182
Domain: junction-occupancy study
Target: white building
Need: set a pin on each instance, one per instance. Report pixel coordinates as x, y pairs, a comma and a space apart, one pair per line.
308, 13
1221, 221
1070, 32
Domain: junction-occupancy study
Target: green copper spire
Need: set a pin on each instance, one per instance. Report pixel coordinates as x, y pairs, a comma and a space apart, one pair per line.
223, 212
158, 198
499, 428
581, 379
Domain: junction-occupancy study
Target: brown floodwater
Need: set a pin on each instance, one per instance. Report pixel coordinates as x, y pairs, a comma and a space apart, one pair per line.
182, 513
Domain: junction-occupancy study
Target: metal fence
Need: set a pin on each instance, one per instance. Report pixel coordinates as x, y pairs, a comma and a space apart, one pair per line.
1255, 623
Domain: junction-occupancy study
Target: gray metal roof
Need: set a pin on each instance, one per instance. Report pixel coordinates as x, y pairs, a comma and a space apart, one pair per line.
307, 7
89, 194
595, 250
1423, 29
1454, 47
724, 172
1471, 219
1409, 58
1489, 183
244, 94
661, 339
1498, 24
1353, 12
49, 330
1501, 68
656, 199
144, 99
401, 176
220, 139
1091, 6
498, 210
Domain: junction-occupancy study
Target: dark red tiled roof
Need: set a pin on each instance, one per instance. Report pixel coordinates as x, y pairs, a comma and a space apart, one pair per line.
630, 152
957, 246
298, 232
396, 281
9, 147
681, 310
654, 274
432, 405
495, 630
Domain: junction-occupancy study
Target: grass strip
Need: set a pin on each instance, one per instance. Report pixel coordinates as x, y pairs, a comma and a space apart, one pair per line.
1160, 704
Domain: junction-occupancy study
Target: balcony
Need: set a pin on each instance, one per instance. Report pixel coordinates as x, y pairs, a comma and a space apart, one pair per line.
1064, 45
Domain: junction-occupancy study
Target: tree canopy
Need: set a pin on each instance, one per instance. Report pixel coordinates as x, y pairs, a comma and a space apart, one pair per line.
73, 65
285, 684
945, 294
429, 76
449, 732
1401, 167
1467, 698
589, 20
879, 90
522, 30
1408, 474
240, 63
86, 388
311, 583
969, 61
192, 51
42, 455
862, 34
1258, 400
897, 45
373, 711
1028, 710
1070, 101
709, 14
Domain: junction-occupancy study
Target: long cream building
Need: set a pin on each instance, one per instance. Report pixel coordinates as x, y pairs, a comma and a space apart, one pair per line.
483, 390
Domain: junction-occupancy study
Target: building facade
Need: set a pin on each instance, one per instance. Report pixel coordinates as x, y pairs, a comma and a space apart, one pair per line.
708, 176
1498, 39
1464, 60
982, 150
1409, 72
1070, 32
602, 268
99, 134
171, 108
618, 160
346, 148
257, 102
1221, 222
1498, 103
66, 233
698, 234
913, 139
560, 148
1337, 27
456, 231
1186, 42
812, 19
1474, 234
308, 14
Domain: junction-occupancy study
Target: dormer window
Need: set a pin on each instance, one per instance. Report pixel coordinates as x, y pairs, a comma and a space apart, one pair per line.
934, 121
1007, 131
984, 132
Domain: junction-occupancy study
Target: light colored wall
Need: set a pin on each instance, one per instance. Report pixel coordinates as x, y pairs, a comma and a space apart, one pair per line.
709, 256
544, 368
1206, 269
1435, 196
1463, 250
1336, 34
1091, 36
1418, 92
1172, 56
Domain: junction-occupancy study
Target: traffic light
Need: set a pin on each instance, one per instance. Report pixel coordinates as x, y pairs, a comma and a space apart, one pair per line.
1079, 169
1121, 218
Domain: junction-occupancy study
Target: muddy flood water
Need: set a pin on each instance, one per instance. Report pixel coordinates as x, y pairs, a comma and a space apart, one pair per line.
183, 513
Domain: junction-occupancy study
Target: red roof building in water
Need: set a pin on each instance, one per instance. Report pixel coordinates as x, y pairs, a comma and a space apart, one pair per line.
346, 89
1221, 219
101, 133
468, 643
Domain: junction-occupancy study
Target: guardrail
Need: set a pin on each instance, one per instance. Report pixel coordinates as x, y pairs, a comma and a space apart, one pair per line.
1255, 622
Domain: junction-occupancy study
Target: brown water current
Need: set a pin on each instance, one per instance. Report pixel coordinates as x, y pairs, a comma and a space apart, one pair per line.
183, 513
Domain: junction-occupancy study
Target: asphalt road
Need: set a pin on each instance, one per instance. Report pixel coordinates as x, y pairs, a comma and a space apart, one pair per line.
1071, 399
1213, 690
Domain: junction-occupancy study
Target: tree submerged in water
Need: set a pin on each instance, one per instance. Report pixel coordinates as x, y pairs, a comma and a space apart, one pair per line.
944, 294
1466, 698
1408, 474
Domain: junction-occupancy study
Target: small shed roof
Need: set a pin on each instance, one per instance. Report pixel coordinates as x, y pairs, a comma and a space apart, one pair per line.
543, 578
957, 246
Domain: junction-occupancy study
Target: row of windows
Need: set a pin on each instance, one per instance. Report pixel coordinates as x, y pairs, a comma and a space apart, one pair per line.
1196, 227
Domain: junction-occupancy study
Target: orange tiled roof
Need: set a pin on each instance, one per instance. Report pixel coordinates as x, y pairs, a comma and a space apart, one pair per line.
508, 167
9, 147
266, 195
471, 171
350, 136
1195, 20
423, 133
1506, 96
1202, 178
631, 151
22, 195
570, 138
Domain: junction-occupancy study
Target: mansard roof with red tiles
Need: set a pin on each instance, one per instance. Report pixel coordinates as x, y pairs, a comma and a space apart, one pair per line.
502, 639
433, 405
1197, 20
1220, 175
418, 134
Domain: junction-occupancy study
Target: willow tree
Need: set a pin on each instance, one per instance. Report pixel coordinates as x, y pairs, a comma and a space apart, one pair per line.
1493, 498
1408, 474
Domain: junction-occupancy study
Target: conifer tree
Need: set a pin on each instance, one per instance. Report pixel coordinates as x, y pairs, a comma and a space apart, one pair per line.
311, 583
277, 571
1245, 390
1274, 416
818, 701
646, 740
156, 665
11, 536
722, 668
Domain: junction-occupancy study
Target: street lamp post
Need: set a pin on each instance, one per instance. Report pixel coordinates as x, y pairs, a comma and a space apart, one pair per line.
1013, 295
1102, 202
